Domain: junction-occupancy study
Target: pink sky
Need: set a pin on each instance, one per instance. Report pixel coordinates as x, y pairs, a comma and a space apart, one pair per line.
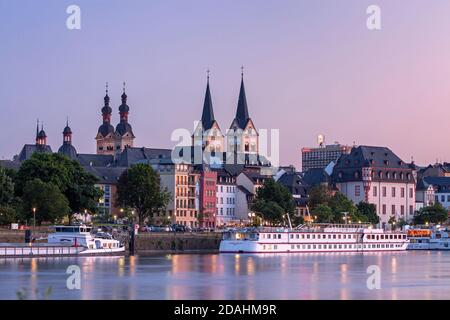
311, 67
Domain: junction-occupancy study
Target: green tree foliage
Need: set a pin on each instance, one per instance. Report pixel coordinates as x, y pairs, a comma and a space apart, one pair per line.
77, 185
339, 204
323, 214
8, 201
6, 188
8, 215
139, 188
367, 212
51, 205
318, 195
431, 214
273, 201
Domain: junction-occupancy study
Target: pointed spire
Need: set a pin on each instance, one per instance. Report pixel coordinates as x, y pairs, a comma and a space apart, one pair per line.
124, 95
242, 109
208, 112
106, 99
37, 129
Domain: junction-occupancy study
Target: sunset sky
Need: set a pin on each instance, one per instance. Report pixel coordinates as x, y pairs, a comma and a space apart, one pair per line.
310, 67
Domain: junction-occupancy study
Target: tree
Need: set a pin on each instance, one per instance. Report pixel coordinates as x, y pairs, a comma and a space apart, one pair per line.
273, 201
77, 185
392, 221
368, 211
51, 205
318, 195
323, 213
431, 214
339, 204
8, 215
140, 188
6, 188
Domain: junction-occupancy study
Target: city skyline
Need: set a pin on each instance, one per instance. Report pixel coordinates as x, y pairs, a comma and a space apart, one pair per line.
310, 68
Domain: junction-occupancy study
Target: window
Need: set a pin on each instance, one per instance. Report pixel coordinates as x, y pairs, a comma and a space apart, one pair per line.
393, 209
384, 191
402, 210
357, 191
375, 191
411, 192
384, 209
393, 192
402, 192
442, 198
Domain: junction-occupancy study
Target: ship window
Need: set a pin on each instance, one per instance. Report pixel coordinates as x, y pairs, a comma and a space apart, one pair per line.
339, 236
309, 246
292, 246
298, 246
334, 236
307, 236
345, 246
320, 246
314, 246
297, 236
344, 236
268, 236
340, 246
292, 236
313, 236
303, 236
279, 236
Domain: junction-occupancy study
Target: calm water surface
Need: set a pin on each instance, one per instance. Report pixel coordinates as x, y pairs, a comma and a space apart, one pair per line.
406, 275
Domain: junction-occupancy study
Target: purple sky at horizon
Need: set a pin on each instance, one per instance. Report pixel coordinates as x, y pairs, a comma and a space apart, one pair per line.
310, 67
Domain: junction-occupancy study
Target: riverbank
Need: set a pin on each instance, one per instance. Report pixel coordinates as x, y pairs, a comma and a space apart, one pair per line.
147, 242
177, 242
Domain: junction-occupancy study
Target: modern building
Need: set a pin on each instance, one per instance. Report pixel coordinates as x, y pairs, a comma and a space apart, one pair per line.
376, 175
320, 157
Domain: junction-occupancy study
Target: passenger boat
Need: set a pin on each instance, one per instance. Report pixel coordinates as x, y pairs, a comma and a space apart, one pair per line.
426, 239
313, 238
66, 241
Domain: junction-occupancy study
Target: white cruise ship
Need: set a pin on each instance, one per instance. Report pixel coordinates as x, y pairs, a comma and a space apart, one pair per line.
313, 238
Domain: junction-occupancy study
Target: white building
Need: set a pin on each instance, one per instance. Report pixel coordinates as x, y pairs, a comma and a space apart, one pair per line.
377, 176
226, 198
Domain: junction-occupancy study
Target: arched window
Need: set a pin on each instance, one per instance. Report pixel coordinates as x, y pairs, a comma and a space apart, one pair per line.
247, 147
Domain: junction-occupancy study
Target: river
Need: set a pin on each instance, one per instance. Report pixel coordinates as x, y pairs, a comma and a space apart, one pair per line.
404, 275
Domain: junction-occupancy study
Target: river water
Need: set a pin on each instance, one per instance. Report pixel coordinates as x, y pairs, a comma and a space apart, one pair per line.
405, 275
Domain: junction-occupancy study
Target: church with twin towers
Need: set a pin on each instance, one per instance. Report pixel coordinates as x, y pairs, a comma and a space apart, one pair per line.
241, 137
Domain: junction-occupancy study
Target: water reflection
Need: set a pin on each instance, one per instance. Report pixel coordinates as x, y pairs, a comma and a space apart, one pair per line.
411, 275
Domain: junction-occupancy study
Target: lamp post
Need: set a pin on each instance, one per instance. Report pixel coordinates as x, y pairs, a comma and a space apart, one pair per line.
85, 215
345, 216
34, 218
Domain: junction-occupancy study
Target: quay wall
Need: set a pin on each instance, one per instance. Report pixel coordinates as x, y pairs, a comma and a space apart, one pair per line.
177, 242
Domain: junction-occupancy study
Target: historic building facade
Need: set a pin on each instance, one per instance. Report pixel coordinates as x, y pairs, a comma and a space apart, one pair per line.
112, 141
376, 175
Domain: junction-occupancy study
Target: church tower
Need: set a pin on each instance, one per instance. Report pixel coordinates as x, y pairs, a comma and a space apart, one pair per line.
105, 135
41, 136
124, 136
208, 134
67, 148
242, 137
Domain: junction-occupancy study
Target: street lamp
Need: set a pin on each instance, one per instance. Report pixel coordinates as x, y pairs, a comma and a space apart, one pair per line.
34, 218
85, 215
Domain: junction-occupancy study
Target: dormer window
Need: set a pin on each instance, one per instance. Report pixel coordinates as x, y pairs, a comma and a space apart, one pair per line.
386, 162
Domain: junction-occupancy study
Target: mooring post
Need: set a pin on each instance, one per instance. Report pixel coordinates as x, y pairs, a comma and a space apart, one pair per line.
131, 243
27, 236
